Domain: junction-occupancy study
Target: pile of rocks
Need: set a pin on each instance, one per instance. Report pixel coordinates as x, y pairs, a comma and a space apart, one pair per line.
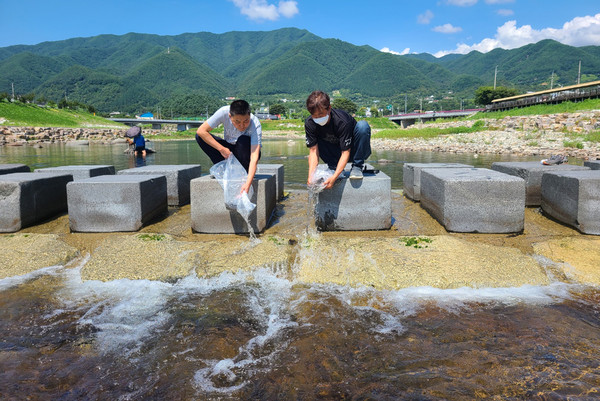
17, 136
523, 135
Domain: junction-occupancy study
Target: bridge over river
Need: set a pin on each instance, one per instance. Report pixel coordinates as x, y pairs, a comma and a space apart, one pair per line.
405, 120
182, 125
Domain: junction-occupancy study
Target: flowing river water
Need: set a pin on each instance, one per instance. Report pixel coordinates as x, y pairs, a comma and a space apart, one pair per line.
295, 314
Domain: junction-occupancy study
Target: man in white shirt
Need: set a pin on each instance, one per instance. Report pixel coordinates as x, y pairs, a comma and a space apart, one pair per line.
242, 137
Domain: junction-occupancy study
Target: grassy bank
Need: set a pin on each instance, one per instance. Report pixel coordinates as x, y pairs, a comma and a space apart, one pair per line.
427, 132
541, 109
29, 115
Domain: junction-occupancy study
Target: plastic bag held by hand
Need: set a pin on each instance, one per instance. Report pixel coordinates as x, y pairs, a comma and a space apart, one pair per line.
231, 175
317, 182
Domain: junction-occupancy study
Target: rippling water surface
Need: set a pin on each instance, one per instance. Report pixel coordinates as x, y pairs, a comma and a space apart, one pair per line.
264, 335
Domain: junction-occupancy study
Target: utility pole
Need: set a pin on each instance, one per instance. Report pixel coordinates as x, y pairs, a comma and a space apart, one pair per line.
552, 80
495, 74
13, 91
579, 74
405, 101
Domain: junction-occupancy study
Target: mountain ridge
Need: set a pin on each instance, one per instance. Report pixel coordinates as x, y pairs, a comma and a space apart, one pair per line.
132, 71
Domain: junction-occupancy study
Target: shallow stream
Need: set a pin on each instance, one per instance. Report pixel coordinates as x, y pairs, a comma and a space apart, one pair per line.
268, 333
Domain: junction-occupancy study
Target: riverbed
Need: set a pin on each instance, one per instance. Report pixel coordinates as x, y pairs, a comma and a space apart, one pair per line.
413, 312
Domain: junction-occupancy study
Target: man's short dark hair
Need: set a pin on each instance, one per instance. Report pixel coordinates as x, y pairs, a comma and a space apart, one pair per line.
239, 107
316, 101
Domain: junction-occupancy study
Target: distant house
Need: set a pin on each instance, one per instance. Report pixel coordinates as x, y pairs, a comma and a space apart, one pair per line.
267, 116
146, 116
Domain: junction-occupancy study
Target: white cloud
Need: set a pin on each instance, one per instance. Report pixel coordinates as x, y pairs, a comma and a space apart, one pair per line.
447, 28
462, 3
288, 8
261, 10
505, 12
425, 18
388, 50
580, 31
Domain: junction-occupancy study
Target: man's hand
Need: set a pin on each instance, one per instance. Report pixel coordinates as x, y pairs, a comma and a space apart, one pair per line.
245, 187
328, 184
225, 152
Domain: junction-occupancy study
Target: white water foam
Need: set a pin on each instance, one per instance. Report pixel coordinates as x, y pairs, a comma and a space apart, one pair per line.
268, 302
14, 281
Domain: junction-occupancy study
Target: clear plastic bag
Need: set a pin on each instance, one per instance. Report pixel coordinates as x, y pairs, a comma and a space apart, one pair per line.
317, 181
231, 175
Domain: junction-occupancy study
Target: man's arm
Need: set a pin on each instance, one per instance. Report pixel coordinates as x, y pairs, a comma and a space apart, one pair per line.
339, 169
204, 134
313, 162
254, 153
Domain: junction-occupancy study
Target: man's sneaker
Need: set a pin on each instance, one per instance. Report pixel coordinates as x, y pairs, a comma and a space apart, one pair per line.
356, 173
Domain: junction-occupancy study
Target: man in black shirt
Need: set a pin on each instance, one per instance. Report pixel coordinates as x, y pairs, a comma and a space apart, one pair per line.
336, 137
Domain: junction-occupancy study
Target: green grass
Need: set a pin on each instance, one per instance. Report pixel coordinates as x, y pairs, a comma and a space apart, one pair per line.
28, 115
416, 242
540, 109
428, 132
295, 125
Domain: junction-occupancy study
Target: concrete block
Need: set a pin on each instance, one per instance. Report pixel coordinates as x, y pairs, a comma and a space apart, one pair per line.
110, 203
593, 164
573, 197
411, 176
178, 179
14, 168
532, 173
80, 172
355, 205
209, 214
474, 199
29, 198
277, 170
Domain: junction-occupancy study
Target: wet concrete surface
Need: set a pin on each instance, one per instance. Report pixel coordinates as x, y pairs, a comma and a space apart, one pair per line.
416, 251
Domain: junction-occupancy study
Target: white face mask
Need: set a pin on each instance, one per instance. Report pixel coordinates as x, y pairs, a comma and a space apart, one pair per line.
321, 120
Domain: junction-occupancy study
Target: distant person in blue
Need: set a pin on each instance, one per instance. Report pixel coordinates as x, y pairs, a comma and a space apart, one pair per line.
242, 136
135, 137
336, 137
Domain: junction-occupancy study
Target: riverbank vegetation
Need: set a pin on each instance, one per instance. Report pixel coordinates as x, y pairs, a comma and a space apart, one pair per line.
540, 109
29, 115
428, 132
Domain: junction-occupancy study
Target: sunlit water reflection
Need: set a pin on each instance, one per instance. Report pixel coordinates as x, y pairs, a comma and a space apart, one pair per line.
265, 335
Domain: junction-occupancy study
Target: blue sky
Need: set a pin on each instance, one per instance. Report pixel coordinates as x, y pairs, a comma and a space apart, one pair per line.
436, 27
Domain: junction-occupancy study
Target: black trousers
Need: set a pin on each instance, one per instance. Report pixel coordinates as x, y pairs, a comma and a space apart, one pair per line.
241, 149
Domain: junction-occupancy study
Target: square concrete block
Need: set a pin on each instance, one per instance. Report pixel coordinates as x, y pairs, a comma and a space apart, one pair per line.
80, 172
532, 173
178, 179
573, 197
593, 164
209, 214
14, 168
110, 203
277, 170
29, 198
474, 199
355, 205
411, 176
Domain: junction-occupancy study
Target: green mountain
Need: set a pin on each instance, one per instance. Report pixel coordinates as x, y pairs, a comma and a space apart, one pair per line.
136, 72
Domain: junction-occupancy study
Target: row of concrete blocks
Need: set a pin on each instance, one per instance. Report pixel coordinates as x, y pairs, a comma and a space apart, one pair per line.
97, 200
467, 199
